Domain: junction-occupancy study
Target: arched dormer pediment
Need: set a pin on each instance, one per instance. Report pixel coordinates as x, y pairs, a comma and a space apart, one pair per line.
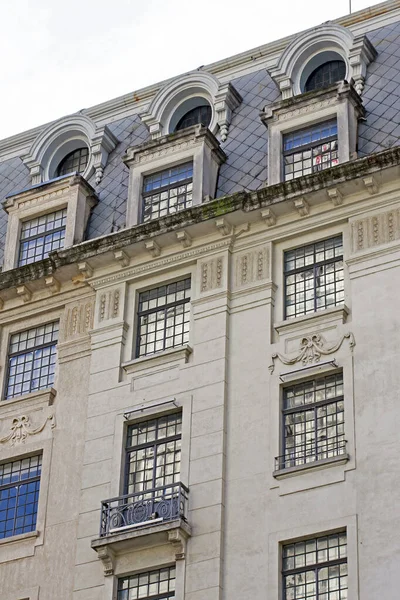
311, 49
64, 136
185, 93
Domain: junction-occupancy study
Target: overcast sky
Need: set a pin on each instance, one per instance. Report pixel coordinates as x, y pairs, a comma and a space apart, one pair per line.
59, 56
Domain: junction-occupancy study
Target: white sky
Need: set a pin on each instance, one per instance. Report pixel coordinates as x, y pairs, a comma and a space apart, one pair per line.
59, 56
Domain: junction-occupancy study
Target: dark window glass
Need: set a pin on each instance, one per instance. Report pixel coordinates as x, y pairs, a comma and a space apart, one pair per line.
313, 421
42, 235
19, 495
314, 277
201, 115
315, 569
74, 161
326, 75
310, 150
32, 360
163, 317
167, 192
154, 585
153, 454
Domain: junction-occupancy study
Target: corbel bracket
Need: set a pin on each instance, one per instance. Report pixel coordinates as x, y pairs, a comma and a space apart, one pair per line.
184, 238
268, 217
335, 195
371, 185
122, 257
223, 226
153, 248
302, 207
53, 284
24, 292
107, 557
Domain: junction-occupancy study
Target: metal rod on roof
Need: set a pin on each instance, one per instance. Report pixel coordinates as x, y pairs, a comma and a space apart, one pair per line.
350, 6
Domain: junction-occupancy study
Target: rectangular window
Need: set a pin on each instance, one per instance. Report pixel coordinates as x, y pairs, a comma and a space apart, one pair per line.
32, 360
314, 278
313, 421
167, 192
153, 454
310, 150
154, 585
163, 318
42, 235
19, 495
315, 569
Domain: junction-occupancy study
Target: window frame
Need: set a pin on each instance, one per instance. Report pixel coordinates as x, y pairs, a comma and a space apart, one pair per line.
166, 188
159, 596
139, 313
43, 235
281, 464
5, 397
314, 266
315, 567
67, 156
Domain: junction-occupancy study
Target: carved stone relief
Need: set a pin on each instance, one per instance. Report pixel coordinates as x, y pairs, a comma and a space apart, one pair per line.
109, 306
21, 428
251, 267
211, 274
78, 319
376, 230
312, 347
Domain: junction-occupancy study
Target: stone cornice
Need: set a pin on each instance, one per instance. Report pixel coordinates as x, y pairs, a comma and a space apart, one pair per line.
274, 195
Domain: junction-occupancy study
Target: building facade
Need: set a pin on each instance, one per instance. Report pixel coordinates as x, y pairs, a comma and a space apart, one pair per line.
199, 332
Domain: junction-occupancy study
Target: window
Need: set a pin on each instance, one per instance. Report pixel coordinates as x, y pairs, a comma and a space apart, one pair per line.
315, 569
167, 192
325, 75
313, 421
154, 585
75, 161
153, 454
42, 235
199, 115
310, 150
32, 360
314, 278
19, 495
163, 318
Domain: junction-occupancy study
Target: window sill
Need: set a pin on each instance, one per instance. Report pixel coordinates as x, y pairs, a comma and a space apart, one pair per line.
335, 314
180, 354
19, 538
315, 466
45, 397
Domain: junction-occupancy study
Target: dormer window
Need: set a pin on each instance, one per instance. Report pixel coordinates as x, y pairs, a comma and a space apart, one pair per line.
75, 161
201, 115
325, 75
42, 235
167, 191
310, 150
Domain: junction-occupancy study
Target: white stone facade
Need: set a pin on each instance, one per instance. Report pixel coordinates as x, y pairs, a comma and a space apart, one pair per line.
227, 380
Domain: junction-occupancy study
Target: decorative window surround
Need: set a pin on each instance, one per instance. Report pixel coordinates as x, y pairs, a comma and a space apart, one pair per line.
311, 49
64, 136
194, 143
179, 95
71, 192
339, 101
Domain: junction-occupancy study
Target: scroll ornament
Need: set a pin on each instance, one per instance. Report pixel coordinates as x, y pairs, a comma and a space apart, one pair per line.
21, 429
312, 347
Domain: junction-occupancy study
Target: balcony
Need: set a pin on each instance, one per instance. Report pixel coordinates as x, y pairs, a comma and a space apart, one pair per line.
132, 521
311, 454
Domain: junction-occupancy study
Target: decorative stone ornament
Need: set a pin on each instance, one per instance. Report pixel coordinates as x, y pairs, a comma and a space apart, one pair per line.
160, 116
64, 136
313, 48
21, 429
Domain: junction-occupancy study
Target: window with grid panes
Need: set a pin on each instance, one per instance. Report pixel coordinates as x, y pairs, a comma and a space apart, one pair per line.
310, 150
313, 421
75, 161
153, 454
167, 191
41, 235
196, 116
163, 317
315, 569
19, 495
326, 75
32, 360
152, 585
314, 278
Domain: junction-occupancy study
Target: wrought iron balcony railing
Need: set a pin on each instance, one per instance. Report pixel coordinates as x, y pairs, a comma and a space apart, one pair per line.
311, 452
153, 506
